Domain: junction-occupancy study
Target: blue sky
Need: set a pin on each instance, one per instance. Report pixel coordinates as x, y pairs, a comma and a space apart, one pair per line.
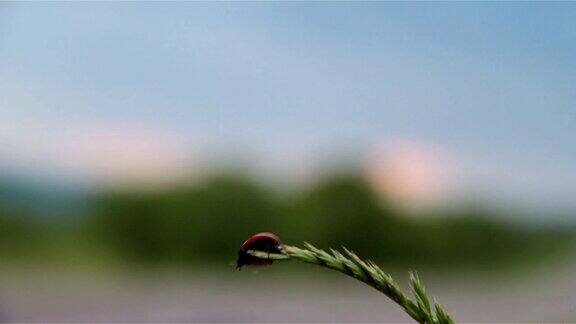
493, 84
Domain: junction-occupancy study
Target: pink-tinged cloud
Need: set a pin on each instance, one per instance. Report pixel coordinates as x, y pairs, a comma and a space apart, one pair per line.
412, 173
126, 154
107, 153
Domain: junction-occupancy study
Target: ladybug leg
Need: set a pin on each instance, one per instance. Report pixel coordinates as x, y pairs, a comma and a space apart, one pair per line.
268, 251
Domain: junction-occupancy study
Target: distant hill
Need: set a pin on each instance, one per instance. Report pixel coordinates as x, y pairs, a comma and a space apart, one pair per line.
39, 198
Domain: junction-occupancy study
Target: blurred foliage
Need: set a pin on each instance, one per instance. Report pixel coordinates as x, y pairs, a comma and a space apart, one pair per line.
208, 221
189, 223
342, 210
20, 234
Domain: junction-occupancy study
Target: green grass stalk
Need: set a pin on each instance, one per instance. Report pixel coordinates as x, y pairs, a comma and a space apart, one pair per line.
422, 309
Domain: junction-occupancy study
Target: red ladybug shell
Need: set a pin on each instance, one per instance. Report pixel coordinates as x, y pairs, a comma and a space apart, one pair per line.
264, 242
260, 241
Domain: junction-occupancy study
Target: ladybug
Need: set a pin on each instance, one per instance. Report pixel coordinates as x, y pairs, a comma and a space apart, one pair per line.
264, 242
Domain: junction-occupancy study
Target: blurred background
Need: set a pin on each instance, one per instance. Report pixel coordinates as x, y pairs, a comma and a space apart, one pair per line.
142, 143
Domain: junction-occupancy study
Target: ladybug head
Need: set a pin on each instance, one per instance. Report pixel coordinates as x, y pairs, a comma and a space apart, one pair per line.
242, 259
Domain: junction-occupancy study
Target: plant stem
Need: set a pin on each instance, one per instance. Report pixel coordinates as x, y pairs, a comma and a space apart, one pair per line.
420, 309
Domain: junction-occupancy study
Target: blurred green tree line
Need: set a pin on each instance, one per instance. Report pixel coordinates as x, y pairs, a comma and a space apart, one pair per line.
207, 222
